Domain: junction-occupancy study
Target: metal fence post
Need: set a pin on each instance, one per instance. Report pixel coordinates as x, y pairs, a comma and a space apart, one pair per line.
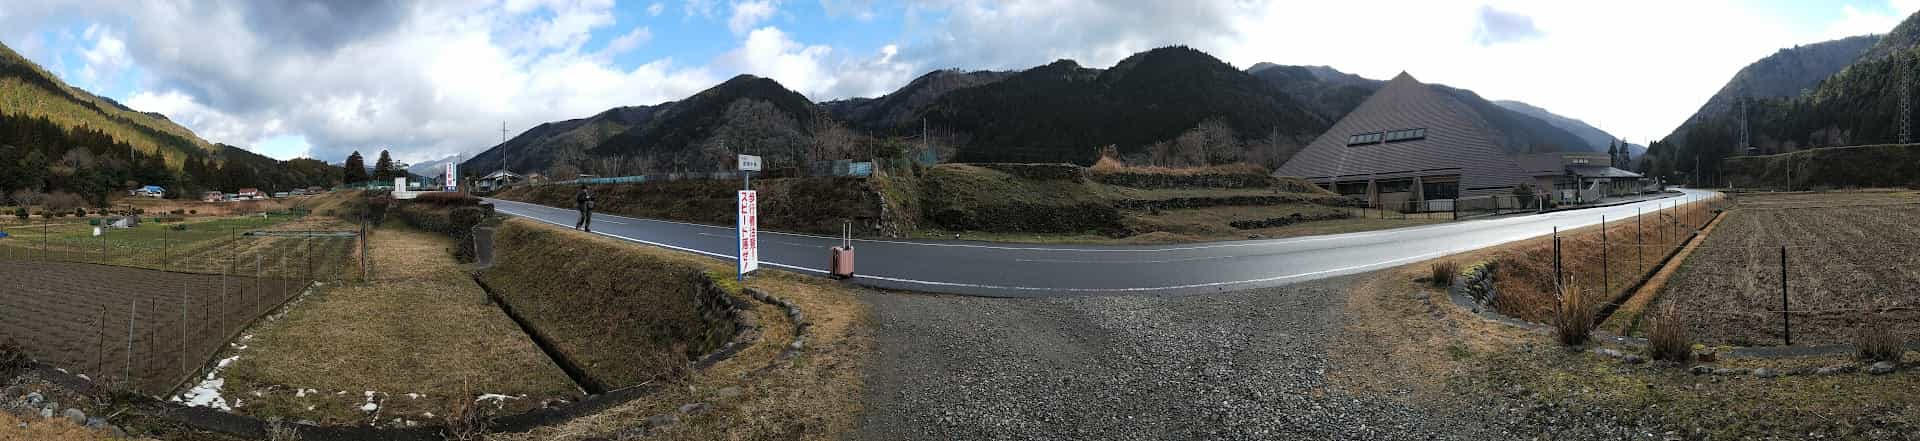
1786, 318
183, 328
1640, 243
126, 372
1606, 273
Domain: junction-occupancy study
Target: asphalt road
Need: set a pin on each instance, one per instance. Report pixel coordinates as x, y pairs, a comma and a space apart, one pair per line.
1022, 270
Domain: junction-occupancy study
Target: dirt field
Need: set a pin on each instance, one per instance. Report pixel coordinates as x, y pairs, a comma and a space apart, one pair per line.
76, 316
1847, 253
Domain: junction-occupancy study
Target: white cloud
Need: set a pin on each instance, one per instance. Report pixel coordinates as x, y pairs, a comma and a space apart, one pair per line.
656, 8
106, 58
629, 41
750, 13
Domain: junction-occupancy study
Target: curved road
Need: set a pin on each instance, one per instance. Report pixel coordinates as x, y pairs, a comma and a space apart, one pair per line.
1021, 270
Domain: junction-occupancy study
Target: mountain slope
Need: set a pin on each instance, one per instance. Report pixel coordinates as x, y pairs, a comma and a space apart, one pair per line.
1784, 74
1593, 136
1857, 105
26, 89
1062, 112
903, 107
538, 148
746, 114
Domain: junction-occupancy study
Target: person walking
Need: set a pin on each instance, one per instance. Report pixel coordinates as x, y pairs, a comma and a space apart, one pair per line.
583, 200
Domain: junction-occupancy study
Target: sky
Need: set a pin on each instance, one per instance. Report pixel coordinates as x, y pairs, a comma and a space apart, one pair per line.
432, 78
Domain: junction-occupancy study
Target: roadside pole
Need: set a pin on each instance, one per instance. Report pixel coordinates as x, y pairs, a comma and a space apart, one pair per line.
1640, 248
126, 372
1606, 276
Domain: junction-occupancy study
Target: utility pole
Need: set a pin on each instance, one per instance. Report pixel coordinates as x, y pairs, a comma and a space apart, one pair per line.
503, 141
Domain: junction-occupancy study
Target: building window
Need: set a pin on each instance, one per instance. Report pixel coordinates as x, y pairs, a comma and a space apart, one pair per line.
1396, 186
1440, 190
1364, 138
1406, 135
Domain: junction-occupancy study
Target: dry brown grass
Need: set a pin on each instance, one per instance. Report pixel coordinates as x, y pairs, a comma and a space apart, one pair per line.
815, 396
420, 326
1630, 249
1573, 320
205, 209
1875, 341
1667, 339
50, 429
1441, 273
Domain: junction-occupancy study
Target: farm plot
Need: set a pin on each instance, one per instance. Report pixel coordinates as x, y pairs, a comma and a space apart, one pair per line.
1849, 258
141, 329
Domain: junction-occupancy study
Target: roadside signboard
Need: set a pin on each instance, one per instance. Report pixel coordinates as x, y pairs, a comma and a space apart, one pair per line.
749, 221
749, 163
451, 180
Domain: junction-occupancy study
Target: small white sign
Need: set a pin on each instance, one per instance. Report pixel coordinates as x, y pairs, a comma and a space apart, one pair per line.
749, 221
749, 163
96, 231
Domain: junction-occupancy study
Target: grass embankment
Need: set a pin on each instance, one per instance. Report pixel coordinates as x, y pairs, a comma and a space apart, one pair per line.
1629, 250
623, 318
815, 395
421, 326
1451, 360
807, 205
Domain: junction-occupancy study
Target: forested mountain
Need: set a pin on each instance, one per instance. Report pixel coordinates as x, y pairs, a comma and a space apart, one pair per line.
1785, 74
1593, 136
1329, 92
903, 108
63, 146
1172, 106
744, 115
1858, 104
1151, 107
536, 149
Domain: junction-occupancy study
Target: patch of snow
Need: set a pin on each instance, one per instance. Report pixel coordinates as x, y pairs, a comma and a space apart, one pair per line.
207, 392
84, 377
62, 370
300, 393
369, 407
413, 396
484, 397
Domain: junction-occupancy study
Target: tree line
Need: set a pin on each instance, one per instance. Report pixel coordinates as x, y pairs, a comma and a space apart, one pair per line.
43, 163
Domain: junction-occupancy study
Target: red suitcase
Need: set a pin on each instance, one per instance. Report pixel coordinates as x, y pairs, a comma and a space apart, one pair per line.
842, 265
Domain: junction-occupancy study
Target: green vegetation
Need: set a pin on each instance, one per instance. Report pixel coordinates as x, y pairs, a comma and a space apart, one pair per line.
1871, 166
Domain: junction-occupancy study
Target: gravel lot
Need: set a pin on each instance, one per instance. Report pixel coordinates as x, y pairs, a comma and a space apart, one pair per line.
1244, 365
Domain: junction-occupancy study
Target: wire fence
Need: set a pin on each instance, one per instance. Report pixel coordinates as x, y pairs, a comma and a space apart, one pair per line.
145, 309
1793, 280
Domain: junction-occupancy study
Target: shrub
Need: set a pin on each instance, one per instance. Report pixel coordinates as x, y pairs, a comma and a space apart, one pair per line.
60, 214
1874, 341
193, 211
1443, 272
1667, 339
178, 212
79, 212
447, 198
12, 357
20, 212
1573, 319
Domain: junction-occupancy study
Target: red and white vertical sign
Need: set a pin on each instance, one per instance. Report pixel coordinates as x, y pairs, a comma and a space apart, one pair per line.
749, 221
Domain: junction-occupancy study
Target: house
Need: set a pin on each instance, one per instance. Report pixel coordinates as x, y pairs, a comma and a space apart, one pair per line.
151, 191
1580, 177
498, 180
213, 196
1409, 142
248, 194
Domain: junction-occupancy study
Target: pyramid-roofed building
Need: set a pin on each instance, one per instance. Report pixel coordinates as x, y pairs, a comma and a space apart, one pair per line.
1409, 142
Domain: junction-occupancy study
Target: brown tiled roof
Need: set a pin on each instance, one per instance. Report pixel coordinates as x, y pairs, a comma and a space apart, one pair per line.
1458, 141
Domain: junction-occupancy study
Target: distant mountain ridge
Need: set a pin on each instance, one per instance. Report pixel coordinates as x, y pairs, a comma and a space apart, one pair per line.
1857, 103
1163, 106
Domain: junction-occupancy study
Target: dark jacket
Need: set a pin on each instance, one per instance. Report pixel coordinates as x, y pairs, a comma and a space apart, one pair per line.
583, 199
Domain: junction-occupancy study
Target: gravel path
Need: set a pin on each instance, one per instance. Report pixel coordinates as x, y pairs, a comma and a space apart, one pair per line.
1244, 365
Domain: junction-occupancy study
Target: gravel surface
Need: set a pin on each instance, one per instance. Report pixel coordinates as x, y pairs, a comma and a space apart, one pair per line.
1243, 365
